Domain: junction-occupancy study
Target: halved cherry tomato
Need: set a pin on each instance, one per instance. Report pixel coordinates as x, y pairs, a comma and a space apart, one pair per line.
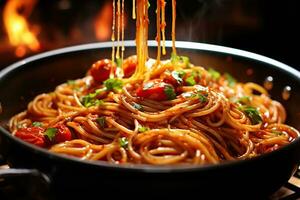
168, 78
33, 135
129, 66
63, 133
101, 69
156, 90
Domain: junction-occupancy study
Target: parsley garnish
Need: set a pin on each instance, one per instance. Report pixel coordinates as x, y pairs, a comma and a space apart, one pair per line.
50, 133
244, 100
119, 62
123, 141
202, 97
214, 74
91, 100
101, 121
137, 106
169, 91
278, 133
182, 59
190, 81
142, 129
252, 113
230, 79
37, 124
113, 84
71, 82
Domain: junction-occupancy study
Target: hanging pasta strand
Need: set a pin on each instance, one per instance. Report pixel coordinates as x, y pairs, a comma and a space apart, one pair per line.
112, 74
174, 27
158, 32
123, 46
120, 70
146, 31
142, 23
118, 29
163, 25
133, 10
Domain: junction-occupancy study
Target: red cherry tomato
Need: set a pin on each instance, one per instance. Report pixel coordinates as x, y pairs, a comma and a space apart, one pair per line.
33, 135
100, 70
129, 66
168, 78
63, 133
156, 90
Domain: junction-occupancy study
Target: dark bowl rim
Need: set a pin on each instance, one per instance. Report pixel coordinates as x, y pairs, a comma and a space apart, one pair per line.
144, 167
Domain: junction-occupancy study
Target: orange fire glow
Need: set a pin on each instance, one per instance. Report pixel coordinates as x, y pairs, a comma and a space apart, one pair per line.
19, 33
103, 22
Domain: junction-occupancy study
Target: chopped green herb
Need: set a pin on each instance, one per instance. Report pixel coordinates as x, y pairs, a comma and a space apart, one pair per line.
37, 124
169, 91
244, 100
113, 84
214, 74
278, 133
185, 60
101, 121
71, 82
178, 75
123, 141
202, 97
91, 100
174, 58
119, 62
137, 106
76, 88
148, 5
142, 129
181, 59
50, 133
252, 113
190, 80
230, 79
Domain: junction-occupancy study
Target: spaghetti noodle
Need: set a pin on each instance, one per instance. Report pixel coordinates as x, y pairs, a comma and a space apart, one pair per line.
180, 114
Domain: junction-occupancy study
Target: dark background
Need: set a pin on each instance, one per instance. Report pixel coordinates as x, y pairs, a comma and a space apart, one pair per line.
267, 27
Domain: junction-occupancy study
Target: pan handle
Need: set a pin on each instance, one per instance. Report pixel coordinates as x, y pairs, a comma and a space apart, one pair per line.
24, 184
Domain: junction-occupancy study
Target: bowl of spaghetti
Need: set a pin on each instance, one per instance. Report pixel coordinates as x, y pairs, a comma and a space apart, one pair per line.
125, 121
163, 153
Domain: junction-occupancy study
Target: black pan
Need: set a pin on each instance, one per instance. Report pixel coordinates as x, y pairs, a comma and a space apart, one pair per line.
39, 173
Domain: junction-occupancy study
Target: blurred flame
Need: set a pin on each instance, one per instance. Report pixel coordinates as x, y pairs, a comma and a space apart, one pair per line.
17, 27
103, 22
